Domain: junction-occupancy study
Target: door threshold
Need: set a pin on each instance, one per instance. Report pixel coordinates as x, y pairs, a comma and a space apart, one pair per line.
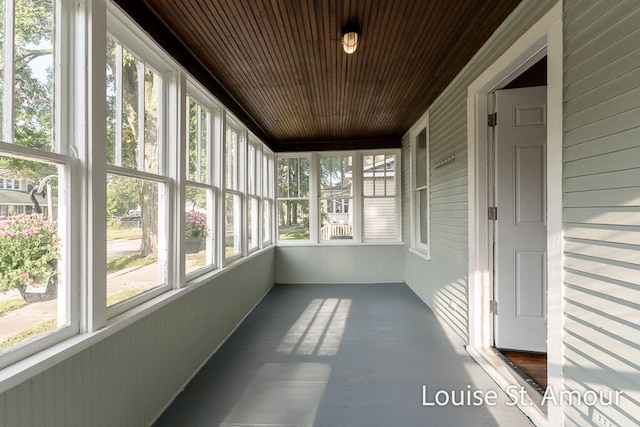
511, 382
532, 367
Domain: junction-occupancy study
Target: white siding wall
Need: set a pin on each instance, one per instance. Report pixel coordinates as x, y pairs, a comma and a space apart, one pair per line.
442, 281
339, 264
128, 378
602, 206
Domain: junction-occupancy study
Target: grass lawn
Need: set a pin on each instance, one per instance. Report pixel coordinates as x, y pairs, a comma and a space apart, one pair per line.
28, 333
10, 305
126, 261
116, 298
124, 233
294, 232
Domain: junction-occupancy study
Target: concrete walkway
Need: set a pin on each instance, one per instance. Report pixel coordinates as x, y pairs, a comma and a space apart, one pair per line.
15, 321
341, 355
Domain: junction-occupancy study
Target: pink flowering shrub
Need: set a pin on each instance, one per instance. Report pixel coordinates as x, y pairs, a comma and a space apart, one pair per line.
29, 251
195, 224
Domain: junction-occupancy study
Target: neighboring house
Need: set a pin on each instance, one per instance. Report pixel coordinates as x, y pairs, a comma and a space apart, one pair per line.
15, 198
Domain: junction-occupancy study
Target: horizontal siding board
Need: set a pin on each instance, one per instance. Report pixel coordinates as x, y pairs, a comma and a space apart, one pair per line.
606, 145
620, 123
604, 104
599, 368
601, 198
614, 22
442, 176
580, 15
601, 181
627, 235
616, 161
600, 59
605, 216
606, 288
603, 268
611, 71
629, 255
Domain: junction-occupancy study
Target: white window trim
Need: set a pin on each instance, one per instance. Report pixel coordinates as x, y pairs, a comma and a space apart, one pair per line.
398, 188
147, 51
81, 35
240, 190
268, 172
257, 193
417, 247
356, 198
312, 198
195, 92
70, 209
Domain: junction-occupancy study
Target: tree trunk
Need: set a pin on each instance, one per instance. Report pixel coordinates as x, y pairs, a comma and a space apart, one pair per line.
149, 197
294, 213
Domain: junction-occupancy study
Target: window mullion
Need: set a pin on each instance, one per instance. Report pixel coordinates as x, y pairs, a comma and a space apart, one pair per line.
198, 143
314, 198
357, 197
141, 117
119, 106
8, 75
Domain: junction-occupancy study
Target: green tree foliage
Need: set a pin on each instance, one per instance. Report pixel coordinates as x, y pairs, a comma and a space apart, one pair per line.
132, 142
33, 87
123, 195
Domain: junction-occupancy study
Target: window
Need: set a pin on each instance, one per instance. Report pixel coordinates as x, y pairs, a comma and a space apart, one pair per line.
267, 197
380, 195
200, 193
253, 195
95, 221
339, 198
293, 198
420, 187
336, 197
137, 182
233, 198
35, 254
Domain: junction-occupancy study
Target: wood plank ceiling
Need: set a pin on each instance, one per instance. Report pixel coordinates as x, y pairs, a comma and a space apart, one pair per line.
278, 65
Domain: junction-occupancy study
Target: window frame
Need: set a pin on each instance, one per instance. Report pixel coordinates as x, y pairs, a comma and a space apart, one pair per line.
70, 206
311, 199
199, 95
68, 212
145, 50
232, 123
355, 207
268, 192
397, 196
254, 165
80, 145
421, 248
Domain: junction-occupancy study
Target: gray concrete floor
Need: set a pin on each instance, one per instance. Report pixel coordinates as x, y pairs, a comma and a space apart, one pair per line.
340, 355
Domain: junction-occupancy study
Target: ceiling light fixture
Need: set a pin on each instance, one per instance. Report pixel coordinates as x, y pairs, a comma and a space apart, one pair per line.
350, 38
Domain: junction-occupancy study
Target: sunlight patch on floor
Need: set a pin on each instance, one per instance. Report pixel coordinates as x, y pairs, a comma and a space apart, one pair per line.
321, 326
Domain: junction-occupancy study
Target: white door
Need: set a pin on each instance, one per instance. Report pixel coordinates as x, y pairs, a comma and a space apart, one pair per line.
520, 229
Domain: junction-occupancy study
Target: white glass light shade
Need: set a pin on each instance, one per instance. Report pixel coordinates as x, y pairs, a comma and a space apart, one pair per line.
350, 42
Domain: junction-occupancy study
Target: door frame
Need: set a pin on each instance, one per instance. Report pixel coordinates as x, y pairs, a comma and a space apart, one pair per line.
543, 38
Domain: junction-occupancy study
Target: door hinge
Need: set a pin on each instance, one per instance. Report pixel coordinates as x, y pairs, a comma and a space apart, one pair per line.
492, 120
493, 213
493, 306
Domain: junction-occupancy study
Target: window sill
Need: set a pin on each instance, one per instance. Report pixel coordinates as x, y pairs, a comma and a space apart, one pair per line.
422, 254
343, 243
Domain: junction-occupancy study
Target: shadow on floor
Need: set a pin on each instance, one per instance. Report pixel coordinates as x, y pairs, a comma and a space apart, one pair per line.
341, 355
